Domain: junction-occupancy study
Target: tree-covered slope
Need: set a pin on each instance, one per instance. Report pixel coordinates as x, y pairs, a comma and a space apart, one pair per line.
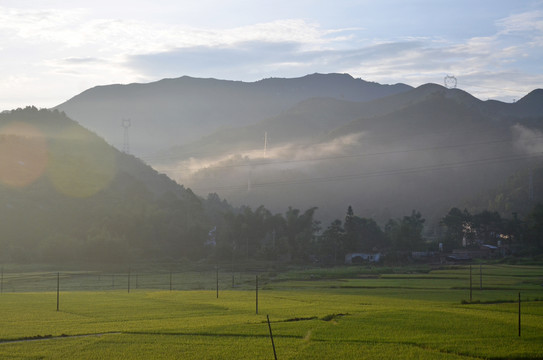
69, 196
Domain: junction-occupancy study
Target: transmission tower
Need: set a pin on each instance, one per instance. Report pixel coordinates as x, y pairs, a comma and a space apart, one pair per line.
125, 123
450, 82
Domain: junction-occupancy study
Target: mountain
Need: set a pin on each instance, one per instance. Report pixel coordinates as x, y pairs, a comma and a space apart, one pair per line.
310, 120
304, 123
321, 140
172, 112
68, 196
429, 148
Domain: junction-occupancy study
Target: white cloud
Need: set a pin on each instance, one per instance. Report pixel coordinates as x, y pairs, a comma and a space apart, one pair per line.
35, 26
281, 157
531, 21
75, 28
527, 141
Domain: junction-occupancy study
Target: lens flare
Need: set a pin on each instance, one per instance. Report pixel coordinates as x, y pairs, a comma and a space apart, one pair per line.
80, 164
23, 154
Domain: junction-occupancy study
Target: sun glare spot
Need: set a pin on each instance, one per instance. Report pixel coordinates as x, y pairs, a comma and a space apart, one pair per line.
23, 154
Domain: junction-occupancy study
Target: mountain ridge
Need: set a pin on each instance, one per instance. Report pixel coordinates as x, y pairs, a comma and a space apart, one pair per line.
276, 142
336, 113
165, 108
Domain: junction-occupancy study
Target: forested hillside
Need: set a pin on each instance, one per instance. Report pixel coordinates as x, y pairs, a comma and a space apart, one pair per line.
67, 195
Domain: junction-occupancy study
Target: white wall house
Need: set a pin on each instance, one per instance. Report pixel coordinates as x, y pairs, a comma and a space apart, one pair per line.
354, 258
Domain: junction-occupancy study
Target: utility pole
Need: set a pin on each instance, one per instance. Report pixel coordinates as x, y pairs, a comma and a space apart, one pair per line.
470, 282
256, 294
58, 291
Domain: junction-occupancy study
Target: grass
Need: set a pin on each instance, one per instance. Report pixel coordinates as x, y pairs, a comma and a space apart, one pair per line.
344, 315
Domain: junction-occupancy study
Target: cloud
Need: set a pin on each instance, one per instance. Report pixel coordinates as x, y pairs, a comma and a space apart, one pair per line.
77, 27
260, 58
86, 60
527, 22
212, 59
90, 46
527, 141
504, 65
38, 26
281, 157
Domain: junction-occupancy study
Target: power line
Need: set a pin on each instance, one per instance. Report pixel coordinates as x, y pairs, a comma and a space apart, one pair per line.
350, 156
379, 173
187, 155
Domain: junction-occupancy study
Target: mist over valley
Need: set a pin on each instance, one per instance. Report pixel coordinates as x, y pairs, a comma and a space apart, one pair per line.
324, 140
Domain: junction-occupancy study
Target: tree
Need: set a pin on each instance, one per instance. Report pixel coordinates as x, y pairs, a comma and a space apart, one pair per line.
300, 231
275, 243
488, 226
361, 234
457, 223
259, 234
406, 234
534, 228
331, 244
351, 233
371, 235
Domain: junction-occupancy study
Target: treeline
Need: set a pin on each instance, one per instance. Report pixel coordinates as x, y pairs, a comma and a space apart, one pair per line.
516, 235
296, 235
40, 225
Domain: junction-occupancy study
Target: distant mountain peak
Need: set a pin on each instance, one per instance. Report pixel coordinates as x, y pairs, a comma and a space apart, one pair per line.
533, 97
344, 76
530, 105
431, 87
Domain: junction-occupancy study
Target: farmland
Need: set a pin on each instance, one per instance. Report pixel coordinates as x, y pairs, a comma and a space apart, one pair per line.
343, 313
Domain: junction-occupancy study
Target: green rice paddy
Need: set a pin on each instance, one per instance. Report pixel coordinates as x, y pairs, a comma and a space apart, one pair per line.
343, 313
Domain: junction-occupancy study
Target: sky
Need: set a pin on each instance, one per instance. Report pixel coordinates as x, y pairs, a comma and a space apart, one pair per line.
53, 50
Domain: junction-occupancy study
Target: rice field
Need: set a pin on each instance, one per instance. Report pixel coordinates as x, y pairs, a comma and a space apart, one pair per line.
343, 313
